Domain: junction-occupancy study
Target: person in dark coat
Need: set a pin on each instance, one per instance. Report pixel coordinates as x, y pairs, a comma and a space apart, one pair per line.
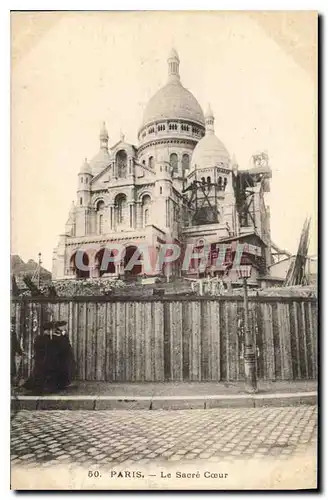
53, 360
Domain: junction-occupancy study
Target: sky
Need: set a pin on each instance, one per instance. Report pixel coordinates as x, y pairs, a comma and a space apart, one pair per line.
72, 71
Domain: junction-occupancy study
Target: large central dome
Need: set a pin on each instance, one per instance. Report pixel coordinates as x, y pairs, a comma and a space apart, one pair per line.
173, 101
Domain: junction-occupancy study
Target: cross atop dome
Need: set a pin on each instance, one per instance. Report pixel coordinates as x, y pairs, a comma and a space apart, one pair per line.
173, 63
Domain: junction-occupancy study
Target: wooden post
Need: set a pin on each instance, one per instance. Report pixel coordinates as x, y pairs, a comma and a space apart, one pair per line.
249, 357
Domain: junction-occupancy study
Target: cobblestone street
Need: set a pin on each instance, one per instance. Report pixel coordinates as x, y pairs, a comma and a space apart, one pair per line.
110, 437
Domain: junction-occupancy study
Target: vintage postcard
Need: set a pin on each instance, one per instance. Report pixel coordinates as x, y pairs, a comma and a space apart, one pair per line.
163, 250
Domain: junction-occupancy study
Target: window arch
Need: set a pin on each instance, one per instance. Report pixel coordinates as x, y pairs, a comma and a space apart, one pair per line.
121, 163
151, 162
120, 205
185, 162
100, 205
174, 162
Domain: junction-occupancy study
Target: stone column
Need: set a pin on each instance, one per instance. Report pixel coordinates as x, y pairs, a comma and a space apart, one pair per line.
138, 215
131, 215
111, 216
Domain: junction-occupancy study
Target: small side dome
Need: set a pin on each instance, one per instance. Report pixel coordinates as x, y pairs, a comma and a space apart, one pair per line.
85, 168
210, 151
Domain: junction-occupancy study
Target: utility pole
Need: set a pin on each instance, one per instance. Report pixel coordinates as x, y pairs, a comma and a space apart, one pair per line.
39, 269
244, 272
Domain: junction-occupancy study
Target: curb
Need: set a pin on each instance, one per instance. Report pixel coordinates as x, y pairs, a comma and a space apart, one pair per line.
162, 402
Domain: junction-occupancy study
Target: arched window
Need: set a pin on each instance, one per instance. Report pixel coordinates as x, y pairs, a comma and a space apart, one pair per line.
203, 180
121, 163
146, 202
79, 264
120, 208
81, 201
174, 162
225, 182
86, 180
160, 190
151, 162
185, 162
144, 162
100, 205
100, 208
220, 182
101, 224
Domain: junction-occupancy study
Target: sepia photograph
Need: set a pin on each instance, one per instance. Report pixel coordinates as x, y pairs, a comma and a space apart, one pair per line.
163, 257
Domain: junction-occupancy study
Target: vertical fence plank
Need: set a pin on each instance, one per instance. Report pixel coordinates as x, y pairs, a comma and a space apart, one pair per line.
128, 353
139, 336
101, 341
227, 339
176, 341
159, 341
223, 343
313, 308
186, 337
294, 340
261, 352
284, 340
276, 342
308, 337
268, 344
303, 339
216, 333
167, 340
233, 341
195, 345
120, 340
82, 336
205, 332
109, 334
147, 321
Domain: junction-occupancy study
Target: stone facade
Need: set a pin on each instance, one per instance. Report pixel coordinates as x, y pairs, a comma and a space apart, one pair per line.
134, 195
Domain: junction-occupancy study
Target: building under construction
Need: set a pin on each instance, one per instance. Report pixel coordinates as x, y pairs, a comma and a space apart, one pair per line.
226, 207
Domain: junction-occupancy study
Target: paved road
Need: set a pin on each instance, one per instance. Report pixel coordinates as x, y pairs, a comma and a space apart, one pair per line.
110, 437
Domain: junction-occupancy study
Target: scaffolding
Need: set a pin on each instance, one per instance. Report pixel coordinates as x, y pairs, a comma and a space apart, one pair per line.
246, 183
200, 198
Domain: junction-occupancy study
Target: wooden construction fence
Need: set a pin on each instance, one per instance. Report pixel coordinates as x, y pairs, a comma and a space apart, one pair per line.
178, 338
